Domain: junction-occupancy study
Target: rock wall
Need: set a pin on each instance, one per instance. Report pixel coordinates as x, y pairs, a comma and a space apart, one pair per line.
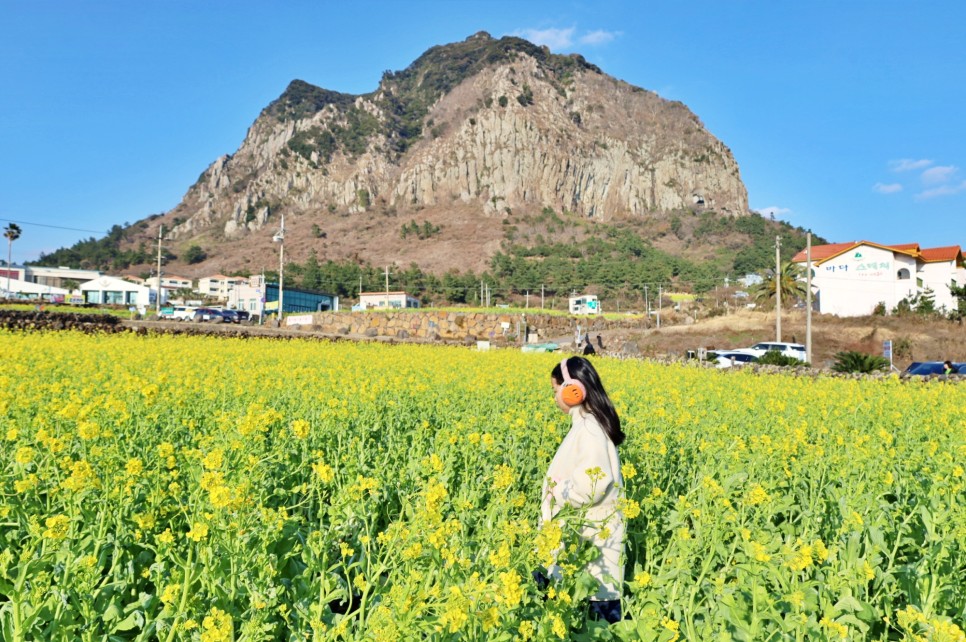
453, 326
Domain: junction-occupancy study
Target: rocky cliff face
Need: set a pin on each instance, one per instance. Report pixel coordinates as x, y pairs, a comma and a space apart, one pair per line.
484, 127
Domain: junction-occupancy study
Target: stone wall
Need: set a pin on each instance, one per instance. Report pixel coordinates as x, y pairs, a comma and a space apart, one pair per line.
453, 326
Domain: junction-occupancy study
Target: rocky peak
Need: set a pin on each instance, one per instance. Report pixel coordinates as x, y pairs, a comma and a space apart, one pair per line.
485, 125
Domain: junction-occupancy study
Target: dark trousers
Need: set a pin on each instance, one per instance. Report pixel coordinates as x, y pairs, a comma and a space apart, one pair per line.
607, 610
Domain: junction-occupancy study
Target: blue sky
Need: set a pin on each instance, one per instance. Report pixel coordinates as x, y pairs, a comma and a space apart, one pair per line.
846, 118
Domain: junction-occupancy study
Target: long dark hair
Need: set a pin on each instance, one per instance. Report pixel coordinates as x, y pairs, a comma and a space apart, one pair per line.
597, 401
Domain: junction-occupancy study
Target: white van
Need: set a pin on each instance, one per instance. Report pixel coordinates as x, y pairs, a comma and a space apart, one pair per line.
183, 313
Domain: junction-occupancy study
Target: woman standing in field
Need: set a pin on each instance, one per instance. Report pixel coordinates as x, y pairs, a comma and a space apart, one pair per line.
585, 473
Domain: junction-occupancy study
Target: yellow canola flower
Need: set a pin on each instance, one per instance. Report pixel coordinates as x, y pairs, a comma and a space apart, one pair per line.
510, 591
756, 495
134, 467
300, 428
500, 558
214, 460
217, 626
57, 527
502, 477
323, 471
558, 627
198, 532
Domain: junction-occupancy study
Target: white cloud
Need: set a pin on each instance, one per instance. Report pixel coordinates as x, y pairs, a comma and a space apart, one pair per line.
942, 174
908, 164
774, 210
556, 39
890, 188
942, 190
599, 37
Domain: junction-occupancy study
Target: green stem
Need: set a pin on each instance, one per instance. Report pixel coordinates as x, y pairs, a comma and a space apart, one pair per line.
183, 602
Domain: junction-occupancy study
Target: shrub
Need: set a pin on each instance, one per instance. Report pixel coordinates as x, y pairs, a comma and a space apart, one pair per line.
853, 361
194, 254
776, 358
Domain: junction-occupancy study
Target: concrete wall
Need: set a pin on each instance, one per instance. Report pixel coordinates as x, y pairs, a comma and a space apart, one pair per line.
454, 326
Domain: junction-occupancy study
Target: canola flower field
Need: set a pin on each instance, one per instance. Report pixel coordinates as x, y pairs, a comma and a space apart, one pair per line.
199, 488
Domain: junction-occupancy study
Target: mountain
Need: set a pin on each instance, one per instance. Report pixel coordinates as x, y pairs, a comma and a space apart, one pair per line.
467, 139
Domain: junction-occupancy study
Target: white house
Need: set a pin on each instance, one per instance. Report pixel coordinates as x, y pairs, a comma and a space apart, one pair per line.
110, 290
169, 283
396, 300
585, 304
940, 266
249, 295
219, 286
851, 279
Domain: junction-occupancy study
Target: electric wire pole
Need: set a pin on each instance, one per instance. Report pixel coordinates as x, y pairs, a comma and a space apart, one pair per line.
158, 298
778, 289
280, 239
808, 297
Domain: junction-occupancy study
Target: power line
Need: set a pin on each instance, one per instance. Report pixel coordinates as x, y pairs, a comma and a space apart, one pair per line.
56, 227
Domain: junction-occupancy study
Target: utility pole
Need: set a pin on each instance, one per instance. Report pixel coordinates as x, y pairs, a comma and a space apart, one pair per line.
280, 239
808, 297
778, 289
528, 300
157, 300
387, 287
541, 297
659, 303
647, 304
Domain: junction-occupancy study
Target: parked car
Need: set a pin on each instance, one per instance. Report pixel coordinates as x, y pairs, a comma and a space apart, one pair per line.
926, 368
729, 358
243, 316
208, 315
796, 350
181, 313
231, 316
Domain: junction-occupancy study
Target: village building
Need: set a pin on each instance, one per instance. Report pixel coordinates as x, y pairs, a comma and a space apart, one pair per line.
386, 300
852, 279
259, 297
56, 277
30, 290
219, 286
170, 283
111, 290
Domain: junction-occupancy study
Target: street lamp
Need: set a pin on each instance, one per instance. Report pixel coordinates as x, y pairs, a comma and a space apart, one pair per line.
280, 239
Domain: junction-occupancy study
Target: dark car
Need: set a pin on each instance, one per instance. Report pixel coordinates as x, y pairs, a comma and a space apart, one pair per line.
926, 368
243, 316
208, 315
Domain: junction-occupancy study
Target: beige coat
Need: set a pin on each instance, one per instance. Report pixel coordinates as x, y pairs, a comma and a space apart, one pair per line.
567, 482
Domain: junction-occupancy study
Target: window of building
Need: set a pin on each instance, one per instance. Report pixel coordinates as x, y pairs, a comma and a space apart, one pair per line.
903, 274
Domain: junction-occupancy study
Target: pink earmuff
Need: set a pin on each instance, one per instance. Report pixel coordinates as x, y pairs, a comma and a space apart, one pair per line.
571, 392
